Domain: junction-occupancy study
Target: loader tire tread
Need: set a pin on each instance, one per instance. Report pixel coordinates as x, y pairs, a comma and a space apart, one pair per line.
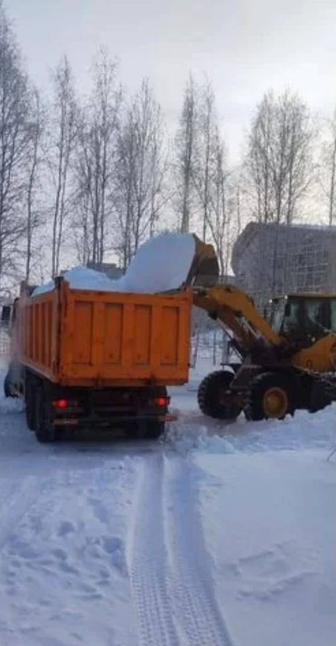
209, 396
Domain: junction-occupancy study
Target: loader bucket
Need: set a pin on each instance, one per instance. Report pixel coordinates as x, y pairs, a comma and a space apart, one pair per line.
204, 270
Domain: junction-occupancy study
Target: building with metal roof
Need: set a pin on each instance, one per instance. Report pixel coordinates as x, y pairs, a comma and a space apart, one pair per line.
271, 260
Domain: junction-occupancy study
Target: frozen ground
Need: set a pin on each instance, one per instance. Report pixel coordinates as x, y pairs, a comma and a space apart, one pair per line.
215, 537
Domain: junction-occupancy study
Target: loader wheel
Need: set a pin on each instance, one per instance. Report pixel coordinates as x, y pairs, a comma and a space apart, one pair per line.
319, 398
44, 430
215, 398
270, 397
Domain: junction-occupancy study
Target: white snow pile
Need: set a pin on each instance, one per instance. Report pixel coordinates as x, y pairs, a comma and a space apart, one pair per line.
82, 278
161, 264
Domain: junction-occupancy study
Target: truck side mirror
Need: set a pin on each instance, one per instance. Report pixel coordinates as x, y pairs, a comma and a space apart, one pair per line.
5, 314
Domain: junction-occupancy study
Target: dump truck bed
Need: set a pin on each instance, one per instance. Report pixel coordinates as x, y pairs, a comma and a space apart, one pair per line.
83, 338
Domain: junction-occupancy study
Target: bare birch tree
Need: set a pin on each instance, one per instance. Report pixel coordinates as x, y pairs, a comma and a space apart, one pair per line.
186, 154
34, 160
62, 134
15, 135
96, 157
206, 146
140, 173
223, 214
328, 169
215, 205
216, 201
259, 159
279, 159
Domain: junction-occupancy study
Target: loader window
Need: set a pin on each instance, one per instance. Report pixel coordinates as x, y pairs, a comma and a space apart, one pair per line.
306, 319
316, 315
303, 318
277, 315
291, 322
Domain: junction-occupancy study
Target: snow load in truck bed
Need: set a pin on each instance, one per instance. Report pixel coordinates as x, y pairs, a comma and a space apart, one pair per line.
161, 264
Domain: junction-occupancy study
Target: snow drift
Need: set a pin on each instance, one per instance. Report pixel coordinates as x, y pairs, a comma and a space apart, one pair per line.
229, 541
161, 264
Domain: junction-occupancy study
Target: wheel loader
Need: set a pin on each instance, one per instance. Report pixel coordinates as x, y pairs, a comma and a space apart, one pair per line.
287, 357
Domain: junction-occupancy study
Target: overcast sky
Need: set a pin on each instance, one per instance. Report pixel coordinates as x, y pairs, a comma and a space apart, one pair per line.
244, 46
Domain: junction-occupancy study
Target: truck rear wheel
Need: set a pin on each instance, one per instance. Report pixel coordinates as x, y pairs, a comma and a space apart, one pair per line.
154, 429
214, 396
270, 397
149, 429
44, 430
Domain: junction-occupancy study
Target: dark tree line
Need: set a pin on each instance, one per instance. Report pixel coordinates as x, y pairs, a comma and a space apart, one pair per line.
90, 178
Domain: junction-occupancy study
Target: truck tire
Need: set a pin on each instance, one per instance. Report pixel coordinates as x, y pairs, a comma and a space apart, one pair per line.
44, 431
214, 397
270, 397
12, 380
154, 429
148, 430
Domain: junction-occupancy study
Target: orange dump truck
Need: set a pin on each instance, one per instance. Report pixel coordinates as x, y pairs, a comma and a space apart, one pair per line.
94, 359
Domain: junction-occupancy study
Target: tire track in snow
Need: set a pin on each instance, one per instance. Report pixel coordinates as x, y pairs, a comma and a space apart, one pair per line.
192, 594
147, 559
170, 569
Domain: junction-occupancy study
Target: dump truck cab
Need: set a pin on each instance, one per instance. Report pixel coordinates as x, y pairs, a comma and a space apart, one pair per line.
303, 318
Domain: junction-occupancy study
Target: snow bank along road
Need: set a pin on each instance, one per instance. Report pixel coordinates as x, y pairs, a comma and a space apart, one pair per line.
214, 537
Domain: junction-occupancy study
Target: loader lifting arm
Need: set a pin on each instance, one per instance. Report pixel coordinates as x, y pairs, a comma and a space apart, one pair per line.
236, 311
233, 308
252, 334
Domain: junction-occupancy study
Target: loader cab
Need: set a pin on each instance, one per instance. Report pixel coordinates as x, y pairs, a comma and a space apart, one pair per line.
304, 318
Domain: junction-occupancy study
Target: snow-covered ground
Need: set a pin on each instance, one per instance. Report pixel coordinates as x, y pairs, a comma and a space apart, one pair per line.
217, 536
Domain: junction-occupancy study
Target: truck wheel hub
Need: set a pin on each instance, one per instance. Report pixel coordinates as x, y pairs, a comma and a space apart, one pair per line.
275, 403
